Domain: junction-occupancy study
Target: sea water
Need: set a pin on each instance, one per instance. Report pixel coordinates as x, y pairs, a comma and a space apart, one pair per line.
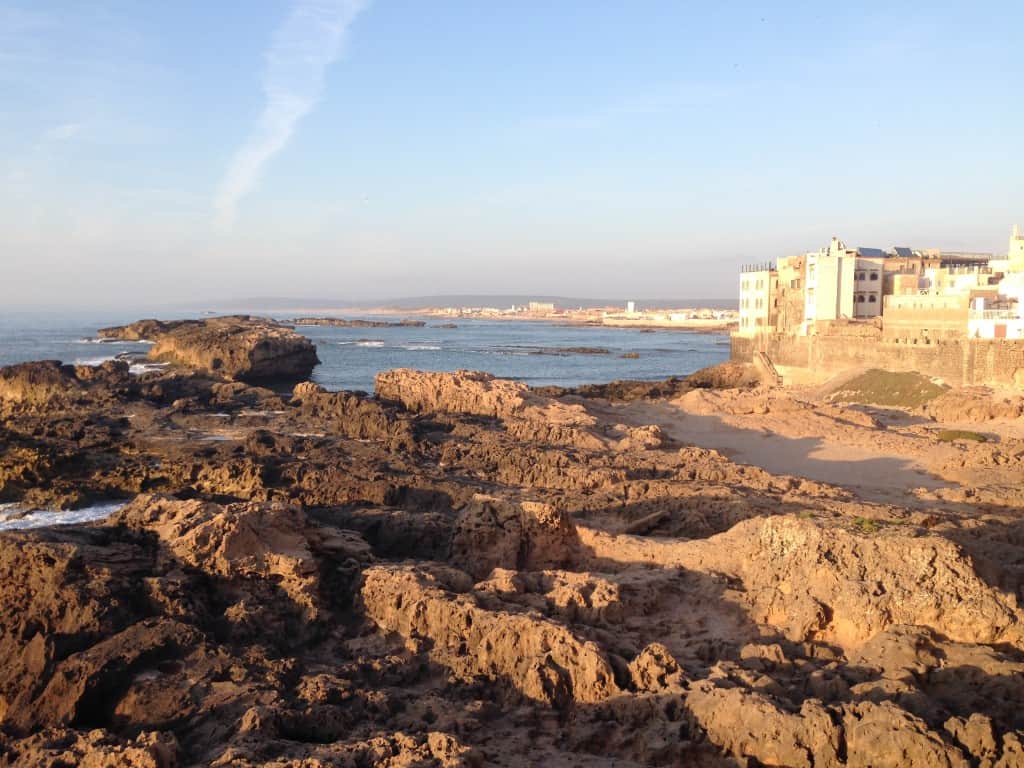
12, 517
531, 351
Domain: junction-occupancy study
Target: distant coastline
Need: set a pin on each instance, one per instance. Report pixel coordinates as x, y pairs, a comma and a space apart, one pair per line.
692, 319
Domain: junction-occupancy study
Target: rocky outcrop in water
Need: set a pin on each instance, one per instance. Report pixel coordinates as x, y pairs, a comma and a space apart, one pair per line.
238, 347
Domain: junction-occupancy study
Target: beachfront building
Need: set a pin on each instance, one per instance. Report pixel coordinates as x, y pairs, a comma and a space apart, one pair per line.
1015, 254
790, 294
539, 307
999, 312
920, 295
758, 287
868, 269
828, 284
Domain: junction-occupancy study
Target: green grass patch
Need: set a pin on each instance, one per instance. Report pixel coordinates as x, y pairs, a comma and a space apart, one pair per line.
888, 388
867, 524
949, 435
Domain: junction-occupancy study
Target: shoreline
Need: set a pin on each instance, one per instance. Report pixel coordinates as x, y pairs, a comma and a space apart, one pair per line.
586, 318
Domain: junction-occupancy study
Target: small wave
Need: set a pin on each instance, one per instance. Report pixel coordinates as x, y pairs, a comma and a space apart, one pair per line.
369, 343
93, 360
40, 518
420, 347
137, 369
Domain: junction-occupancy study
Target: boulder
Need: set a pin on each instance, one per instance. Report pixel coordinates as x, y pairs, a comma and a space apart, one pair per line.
237, 347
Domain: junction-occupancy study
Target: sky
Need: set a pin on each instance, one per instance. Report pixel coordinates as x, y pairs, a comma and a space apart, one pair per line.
365, 149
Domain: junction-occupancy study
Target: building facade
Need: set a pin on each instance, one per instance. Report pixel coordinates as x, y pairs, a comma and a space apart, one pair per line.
867, 286
921, 296
758, 289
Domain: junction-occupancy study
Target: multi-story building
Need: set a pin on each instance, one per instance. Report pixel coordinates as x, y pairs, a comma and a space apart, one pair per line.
828, 284
1001, 316
758, 288
1015, 255
921, 296
790, 287
868, 284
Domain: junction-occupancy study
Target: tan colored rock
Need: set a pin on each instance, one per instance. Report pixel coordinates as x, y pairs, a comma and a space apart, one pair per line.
235, 347
885, 736
498, 533
831, 584
251, 540
528, 416
541, 659
747, 724
40, 383
656, 670
974, 404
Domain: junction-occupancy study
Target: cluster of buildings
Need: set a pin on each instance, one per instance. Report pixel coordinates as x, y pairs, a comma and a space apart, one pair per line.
916, 296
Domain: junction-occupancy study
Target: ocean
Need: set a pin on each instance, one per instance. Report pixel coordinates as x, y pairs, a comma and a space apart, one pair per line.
534, 352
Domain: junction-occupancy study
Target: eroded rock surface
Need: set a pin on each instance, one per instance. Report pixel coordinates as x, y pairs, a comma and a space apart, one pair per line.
236, 347
467, 572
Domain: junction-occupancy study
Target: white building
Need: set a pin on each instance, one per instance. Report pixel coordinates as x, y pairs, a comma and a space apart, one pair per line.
829, 291
868, 272
1003, 316
757, 299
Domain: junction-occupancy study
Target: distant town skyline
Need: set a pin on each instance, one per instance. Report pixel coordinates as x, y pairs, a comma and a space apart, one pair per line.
371, 149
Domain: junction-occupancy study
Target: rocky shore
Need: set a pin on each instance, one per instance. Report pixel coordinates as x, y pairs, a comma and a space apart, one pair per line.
464, 571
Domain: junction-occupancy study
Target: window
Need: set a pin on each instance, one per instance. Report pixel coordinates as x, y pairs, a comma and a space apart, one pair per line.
860, 298
859, 276
872, 299
874, 275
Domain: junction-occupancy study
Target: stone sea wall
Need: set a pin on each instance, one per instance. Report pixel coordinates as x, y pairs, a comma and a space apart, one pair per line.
962, 362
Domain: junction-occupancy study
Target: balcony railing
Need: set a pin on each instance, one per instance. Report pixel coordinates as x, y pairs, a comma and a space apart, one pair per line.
995, 314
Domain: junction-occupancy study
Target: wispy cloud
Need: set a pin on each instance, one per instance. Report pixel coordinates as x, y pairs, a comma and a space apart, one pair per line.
303, 47
62, 132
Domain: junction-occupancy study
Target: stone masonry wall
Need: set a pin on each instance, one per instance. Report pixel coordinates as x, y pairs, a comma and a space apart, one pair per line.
957, 361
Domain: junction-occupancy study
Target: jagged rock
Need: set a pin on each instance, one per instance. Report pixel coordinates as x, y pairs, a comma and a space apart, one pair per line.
96, 748
656, 670
496, 533
40, 383
236, 347
973, 404
835, 585
540, 658
728, 375
480, 394
251, 541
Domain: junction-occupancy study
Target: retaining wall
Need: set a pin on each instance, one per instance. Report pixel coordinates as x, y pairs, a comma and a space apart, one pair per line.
958, 361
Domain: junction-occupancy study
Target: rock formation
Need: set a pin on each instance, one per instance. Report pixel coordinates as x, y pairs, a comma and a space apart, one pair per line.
463, 571
235, 347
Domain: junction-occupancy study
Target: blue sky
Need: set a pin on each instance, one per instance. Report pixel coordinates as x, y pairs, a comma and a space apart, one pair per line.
188, 150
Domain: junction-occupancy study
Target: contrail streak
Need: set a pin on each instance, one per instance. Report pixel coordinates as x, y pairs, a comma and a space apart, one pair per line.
303, 47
